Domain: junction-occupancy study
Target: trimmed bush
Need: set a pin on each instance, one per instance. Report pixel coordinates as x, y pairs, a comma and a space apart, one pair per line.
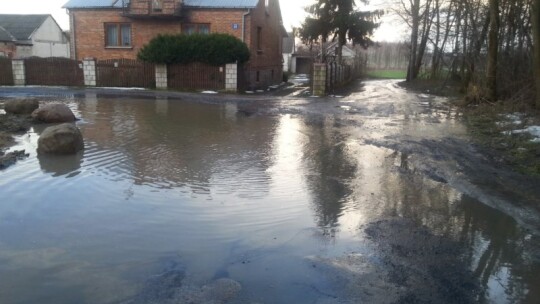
213, 49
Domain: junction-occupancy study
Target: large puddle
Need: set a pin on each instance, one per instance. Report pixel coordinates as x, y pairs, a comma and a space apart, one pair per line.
297, 207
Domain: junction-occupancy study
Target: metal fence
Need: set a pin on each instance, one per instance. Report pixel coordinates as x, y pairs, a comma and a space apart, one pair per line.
196, 76
337, 75
53, 72
6, 72
125, 73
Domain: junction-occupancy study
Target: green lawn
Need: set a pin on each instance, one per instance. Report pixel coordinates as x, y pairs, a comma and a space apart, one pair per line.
387, 74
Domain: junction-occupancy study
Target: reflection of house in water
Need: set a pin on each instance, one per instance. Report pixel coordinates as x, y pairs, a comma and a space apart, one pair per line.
172, 143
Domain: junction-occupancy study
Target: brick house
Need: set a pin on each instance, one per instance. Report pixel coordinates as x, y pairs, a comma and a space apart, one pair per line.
113, 29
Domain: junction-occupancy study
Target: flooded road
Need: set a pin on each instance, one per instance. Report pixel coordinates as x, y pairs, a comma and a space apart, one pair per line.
377, 197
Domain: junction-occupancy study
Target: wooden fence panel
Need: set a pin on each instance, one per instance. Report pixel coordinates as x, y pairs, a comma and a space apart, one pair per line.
196, 76
53, 71
6, 72
125, 73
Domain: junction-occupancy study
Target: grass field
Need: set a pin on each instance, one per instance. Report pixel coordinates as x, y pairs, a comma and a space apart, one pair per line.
387, 74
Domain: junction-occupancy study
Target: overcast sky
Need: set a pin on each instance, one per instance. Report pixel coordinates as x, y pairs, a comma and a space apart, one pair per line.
292, 11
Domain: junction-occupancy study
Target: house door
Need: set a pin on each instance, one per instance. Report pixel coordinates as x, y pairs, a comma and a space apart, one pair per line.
303, 65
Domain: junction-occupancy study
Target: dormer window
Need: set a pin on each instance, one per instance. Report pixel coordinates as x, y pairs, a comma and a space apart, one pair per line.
157, 5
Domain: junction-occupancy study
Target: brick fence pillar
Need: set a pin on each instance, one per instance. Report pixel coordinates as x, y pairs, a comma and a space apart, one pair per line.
231, 77
89, 70
161, 76
19, 75
319, 79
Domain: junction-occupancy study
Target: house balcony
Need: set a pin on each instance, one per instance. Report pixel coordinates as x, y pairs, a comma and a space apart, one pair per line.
159, 9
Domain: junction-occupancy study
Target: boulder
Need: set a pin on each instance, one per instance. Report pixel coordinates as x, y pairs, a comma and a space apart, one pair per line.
61, 139
21, 106
53, 113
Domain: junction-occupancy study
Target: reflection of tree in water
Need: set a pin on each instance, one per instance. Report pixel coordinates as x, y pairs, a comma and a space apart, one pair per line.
331, 170
494, 244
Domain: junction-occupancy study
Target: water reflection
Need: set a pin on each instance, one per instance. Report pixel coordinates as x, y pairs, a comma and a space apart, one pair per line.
325, 156
60, 165
225, 191
495, 248
352, 184
182, 145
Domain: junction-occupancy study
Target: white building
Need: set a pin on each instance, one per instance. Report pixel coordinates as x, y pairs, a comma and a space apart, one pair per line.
34, 36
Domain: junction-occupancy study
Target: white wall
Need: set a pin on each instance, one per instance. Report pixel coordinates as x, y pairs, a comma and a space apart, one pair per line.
49, 41
286, 62
293, 65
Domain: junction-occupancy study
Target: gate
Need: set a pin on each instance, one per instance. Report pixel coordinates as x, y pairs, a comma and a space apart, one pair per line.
6, 72
196, 76
53, 71
125, 73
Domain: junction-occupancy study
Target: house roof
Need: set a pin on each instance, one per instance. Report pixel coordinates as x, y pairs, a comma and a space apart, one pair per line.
190, 3
5, 35
21, 27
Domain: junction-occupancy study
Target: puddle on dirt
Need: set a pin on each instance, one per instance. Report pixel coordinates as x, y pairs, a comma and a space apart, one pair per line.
170, 198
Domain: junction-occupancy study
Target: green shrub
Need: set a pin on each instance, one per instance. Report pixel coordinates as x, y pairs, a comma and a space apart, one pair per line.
213, 49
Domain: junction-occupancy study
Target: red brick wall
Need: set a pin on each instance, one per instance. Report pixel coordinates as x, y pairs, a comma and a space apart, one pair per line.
221, 21
89, 29
267, 61
8, 48
89, 34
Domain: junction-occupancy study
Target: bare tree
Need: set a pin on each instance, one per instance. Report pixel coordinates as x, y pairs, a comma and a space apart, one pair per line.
536, 38
493, 50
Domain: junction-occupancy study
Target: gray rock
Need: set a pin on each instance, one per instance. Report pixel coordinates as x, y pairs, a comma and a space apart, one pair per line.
21, 106
61, 139
53, 113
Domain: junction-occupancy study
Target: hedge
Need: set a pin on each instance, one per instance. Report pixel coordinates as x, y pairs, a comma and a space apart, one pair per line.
213, 49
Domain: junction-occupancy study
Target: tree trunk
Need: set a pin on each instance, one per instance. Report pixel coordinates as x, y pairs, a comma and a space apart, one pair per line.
493, 48
415, 12
435, 58
428, 20
536, 47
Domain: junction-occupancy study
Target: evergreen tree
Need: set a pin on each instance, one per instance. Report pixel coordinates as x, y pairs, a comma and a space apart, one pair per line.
338, 20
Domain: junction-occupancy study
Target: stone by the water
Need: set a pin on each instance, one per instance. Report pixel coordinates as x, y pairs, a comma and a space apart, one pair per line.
61, 139
21, 106
53, 113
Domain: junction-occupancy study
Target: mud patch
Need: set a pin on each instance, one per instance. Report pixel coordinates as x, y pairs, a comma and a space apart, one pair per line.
11, 158
427, 268
9, 125
172, 287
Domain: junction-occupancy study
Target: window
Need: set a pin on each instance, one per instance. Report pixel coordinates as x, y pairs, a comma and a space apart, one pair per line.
259, 38
118, 35
195, 28
157, 5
